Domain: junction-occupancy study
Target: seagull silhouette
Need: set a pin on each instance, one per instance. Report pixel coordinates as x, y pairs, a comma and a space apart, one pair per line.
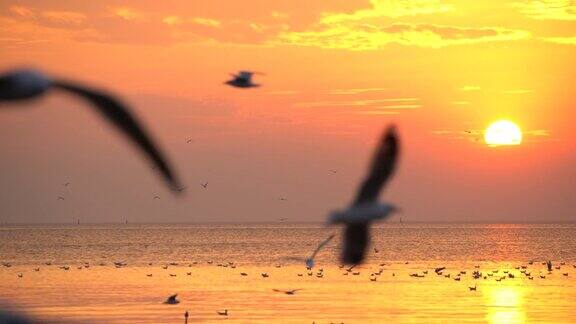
172, 300
287, 292
19, 85
204, 185
243, 80
365, 208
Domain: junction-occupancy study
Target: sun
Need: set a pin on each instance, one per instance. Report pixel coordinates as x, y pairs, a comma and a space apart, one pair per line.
503, 132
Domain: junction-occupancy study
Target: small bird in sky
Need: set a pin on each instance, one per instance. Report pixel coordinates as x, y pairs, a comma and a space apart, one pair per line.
156, 197
365, 207
283, 199
224, 313
27, 84
66, 184
287, 292
204, 185
172, 300
243, 80
60, 198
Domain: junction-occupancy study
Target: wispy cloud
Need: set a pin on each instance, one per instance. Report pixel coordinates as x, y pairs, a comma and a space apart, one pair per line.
362, 103
517, 91
372, 36
355, 91
561, 40
467, 88
548, 9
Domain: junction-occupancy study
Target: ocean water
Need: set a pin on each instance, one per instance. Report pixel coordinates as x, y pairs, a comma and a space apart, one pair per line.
95, 290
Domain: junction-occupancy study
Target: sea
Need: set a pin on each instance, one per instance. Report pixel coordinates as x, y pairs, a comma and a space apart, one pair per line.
123, 273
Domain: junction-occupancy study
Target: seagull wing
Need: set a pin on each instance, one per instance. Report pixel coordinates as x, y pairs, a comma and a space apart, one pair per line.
321, 245
382, 168
356, 236
119, 115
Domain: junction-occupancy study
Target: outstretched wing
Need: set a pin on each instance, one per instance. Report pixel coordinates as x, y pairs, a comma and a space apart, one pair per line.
383, 165
120, 116
321, 245
357, 236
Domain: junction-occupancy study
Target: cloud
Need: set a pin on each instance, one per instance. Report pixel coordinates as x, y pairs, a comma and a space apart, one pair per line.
388, 8
548, 9
411, 103
561, 40
467, 88
355, 91
371, 37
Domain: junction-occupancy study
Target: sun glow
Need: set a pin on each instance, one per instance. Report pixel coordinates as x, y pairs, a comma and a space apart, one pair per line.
503, 132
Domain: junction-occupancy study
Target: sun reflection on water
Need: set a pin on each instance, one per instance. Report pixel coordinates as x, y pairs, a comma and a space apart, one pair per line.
505, 304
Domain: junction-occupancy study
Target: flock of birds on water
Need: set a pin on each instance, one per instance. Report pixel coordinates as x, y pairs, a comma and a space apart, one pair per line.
527, 271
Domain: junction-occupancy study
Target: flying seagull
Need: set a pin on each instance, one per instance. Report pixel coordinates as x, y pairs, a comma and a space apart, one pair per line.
310, 260
243, 80
365, 208
172, 300
204, 185
18, 85
287, 292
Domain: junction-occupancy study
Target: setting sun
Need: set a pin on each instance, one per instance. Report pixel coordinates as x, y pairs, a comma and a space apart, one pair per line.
503, 132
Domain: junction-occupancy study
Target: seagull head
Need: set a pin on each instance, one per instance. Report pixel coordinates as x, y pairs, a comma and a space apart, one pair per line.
23, 84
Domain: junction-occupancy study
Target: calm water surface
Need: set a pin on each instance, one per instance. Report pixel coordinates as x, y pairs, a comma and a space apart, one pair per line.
102, 293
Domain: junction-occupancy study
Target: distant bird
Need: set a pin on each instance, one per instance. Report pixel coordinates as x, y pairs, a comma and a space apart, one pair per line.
333, 171
20, 275
36, 269
189, 273
244, 274
204, 185
189, 141
66, 184
19, 85
310, 260
287, 292
60, 198
181, 189
365, 208
172, 300
156, 197
472, 288
243, 80
265, 275
224, 313
283, 199
282, 219
149, 275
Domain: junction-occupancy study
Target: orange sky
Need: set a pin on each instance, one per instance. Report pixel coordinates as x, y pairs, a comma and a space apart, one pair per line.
336, 73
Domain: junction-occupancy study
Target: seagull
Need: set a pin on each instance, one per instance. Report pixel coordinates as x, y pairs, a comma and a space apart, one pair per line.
243, 80
172, 300
26, 84
287, 292
156, 197
283, 199
365, 208
60, 198
224, 313
310, 260
204, 185
66, 184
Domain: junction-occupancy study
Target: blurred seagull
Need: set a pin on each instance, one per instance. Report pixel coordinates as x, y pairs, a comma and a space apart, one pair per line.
18, 85
224, 313
204, 185
287, 292
243, 80
172, 300
365, 207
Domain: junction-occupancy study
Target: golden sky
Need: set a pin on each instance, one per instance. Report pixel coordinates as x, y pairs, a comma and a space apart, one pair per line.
335, 72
